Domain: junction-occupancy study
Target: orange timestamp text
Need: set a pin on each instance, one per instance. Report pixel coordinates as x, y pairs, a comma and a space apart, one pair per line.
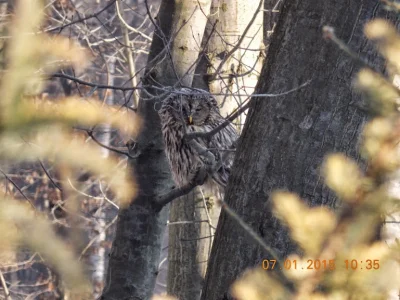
321, 264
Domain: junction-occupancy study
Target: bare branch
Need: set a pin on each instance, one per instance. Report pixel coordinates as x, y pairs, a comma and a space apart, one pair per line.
329, 34
80, 20
234, 115
19, 190
4, 285
257, 238
99, 86
48, 176
128, 26
163, 200
116, 150
218, 70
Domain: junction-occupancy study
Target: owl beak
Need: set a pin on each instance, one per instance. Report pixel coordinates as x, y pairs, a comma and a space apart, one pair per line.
190, 118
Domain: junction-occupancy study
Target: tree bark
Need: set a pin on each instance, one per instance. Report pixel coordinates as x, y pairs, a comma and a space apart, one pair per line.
186, 265
190, 241
240, 71
135, 253
285, 139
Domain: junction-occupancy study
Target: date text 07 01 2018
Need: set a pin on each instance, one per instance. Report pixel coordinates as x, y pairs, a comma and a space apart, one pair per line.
317, 264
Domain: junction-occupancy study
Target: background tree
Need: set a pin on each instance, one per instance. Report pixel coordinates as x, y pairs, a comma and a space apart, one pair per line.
118, 36
232, 43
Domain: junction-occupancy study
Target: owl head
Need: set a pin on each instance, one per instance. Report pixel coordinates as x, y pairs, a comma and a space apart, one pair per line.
191, 107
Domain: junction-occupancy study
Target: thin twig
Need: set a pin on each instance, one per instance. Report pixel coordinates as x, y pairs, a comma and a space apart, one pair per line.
218, 70
186, 222
234, 115
48, 176
329, 34
206, 209
96, 237
165, 89
4, 285
116, 150
18, 188
127, 26
257, 238
129, 54
80, 20
99, 86
249, 230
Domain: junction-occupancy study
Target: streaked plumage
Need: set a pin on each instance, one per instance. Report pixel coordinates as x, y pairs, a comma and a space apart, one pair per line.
195, 110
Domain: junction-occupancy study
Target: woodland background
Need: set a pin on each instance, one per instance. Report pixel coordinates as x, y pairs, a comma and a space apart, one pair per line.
82, 158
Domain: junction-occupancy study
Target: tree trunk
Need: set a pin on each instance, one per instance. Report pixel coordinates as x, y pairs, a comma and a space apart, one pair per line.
135, 254
190, 241
97, 260
285, 139
239, 72
186, 269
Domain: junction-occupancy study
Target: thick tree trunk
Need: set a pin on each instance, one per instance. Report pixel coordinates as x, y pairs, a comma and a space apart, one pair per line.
135, 254
185, 276
285, 139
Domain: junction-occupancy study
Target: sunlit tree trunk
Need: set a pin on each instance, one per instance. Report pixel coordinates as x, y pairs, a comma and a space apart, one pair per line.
97, 259
190, 243
239, 29
185, 276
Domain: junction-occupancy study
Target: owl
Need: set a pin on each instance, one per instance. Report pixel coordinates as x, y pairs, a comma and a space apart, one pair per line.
195, 110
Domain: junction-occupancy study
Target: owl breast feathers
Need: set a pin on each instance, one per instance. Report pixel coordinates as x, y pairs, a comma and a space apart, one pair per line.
194, 110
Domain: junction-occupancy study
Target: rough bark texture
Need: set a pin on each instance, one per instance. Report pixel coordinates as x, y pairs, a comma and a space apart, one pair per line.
285, 139
136, 250
135, 254
184, 272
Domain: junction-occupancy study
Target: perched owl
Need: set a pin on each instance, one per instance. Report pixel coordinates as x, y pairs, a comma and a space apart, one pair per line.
194, 110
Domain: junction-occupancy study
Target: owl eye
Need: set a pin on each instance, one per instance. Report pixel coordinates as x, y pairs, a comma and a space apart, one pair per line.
198, 108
